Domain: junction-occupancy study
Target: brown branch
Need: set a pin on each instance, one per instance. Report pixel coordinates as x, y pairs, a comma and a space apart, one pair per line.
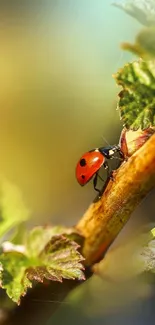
104, 219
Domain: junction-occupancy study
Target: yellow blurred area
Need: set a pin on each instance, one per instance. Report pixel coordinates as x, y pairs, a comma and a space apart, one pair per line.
57, 99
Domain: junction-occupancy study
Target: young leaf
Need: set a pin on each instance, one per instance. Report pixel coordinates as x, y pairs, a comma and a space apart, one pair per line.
142, 10
137, 99
144, 45
38, 238
45, 256
12, 275
59, 259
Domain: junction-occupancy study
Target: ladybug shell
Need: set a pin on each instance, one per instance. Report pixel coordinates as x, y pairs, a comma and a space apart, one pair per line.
88, 165
130, 141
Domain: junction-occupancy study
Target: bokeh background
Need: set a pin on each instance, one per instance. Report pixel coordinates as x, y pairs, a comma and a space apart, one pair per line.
58, 97
57, 100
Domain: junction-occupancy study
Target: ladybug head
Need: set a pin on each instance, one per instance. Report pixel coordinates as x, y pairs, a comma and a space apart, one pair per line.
88, 165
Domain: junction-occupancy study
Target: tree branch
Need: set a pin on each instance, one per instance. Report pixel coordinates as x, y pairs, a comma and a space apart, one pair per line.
104, 219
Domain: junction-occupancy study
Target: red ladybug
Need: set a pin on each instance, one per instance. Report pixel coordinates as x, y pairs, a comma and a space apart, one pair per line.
91, 162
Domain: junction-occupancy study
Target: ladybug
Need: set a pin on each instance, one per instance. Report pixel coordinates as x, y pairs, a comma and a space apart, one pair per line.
91, 162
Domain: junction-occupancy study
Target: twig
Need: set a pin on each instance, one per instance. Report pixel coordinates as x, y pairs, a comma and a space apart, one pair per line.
104, 219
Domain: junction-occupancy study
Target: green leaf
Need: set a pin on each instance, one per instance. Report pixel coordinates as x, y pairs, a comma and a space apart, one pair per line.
142, 10
60, 259
12, 275
137, 99
144, 45
45, 256
13, 209
38, 238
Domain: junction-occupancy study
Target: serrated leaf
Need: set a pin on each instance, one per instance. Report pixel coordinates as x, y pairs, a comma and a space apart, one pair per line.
142, 10
144, 45
13, 209
12, 275
137, 99
60, 259
46, 256
65, 257
38, 238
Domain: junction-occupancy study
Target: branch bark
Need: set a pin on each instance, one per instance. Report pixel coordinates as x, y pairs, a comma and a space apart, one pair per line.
104, 219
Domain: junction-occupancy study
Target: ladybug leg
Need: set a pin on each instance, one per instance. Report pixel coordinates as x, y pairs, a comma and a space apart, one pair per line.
111, 176
122, 157
95, 184
106, 166
109, 173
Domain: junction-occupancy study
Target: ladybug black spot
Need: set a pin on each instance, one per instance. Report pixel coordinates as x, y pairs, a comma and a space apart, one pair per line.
82, 162
82, 176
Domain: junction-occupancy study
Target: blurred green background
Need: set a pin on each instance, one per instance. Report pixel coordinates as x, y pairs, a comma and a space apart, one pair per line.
58, 97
